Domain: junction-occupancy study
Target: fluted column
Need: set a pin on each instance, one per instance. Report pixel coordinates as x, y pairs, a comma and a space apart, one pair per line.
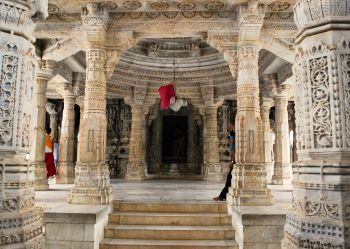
212, 166
282, 170
92, 183
66, 162
265, 116
320, 215
136, 165
39, 115
20, 222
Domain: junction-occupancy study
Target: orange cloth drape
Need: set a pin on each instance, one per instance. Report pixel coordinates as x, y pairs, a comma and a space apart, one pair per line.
48, 142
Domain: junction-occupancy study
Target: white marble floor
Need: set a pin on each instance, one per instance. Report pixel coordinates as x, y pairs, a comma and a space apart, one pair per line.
158, 190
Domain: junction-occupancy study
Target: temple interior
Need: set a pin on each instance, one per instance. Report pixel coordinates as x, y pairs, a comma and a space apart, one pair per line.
184, 124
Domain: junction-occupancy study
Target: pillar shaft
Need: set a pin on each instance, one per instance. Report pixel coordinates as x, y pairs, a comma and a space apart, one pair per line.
282, 170
92, 183
265, 116
136, 165
38, 148
320, 215
53, 125
212, 167
20, 222
67, 142
249, 174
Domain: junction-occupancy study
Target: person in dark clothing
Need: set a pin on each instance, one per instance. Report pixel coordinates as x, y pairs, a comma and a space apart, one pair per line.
231, 150
224, 191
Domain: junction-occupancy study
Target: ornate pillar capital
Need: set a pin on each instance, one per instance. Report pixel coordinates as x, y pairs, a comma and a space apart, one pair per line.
45, 69
251, 18
308, 12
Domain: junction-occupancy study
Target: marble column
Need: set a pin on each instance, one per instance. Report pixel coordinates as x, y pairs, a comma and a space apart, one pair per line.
92, 183
212, 167
66, 162
20, 222
282, 170
136, 165
249, 185
53, 125
265, 116
320, 215
39, 114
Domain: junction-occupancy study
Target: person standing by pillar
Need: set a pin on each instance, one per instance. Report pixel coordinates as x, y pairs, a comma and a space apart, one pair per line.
49, 159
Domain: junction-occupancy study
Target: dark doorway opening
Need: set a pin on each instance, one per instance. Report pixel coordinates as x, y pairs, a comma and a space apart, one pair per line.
174, 139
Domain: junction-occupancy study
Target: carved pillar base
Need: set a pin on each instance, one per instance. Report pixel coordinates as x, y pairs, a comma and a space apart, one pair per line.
135, 171
212, 172
66, 173
92, 185
249, 186
40, 183
282, 174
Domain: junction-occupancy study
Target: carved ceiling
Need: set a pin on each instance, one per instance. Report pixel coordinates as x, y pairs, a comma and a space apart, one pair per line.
69, 6
204, 29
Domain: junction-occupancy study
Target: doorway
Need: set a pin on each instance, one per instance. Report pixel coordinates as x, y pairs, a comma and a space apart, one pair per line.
174, 139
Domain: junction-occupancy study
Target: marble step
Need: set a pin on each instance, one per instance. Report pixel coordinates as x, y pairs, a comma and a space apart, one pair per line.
156, 232
171, 207
166, 244
178, 219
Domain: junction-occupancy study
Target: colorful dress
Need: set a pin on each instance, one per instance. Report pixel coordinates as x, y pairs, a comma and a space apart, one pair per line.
49, 159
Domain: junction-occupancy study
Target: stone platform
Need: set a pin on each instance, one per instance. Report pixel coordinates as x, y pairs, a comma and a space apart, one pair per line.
259, 223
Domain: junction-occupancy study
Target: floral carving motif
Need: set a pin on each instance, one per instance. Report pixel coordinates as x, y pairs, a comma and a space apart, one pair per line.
279, 6
307, 11
52, 8
186, 5
215, 5
159, 5
320, 102
345, 67
132, 5
8, 77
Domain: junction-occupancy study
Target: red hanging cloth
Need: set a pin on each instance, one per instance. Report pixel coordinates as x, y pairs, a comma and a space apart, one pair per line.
166, 93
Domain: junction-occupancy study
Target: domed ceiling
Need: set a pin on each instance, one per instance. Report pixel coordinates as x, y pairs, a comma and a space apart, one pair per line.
155, 62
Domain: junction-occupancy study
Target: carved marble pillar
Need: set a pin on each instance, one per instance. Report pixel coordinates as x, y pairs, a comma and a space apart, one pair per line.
249, 175
282, 170
20, 222
136, 165
92, 183
265, 116
212, 167
52, 111
67, 141
320, 217
39, 114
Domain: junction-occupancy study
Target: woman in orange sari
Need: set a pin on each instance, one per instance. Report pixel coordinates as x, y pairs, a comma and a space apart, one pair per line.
49, 160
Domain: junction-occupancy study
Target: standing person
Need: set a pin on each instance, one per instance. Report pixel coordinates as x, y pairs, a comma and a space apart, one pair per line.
231, 144
231, 150
49, 160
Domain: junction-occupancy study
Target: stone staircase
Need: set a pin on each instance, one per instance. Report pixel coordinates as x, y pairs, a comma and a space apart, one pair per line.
169, 225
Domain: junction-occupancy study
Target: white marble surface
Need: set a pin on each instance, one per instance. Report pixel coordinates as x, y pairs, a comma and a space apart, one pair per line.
158, 190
